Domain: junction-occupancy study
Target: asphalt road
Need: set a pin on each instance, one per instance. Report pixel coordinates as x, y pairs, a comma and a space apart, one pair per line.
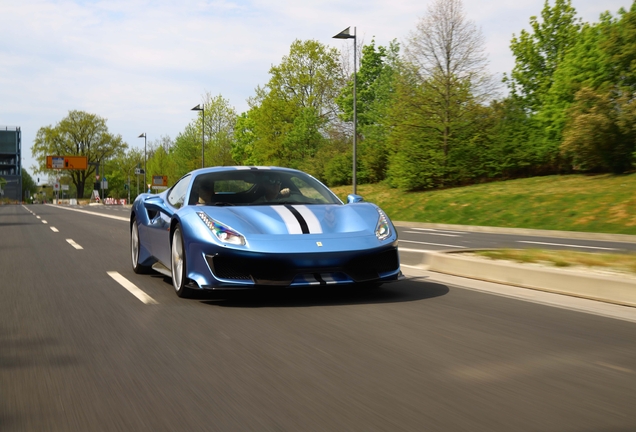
80, 352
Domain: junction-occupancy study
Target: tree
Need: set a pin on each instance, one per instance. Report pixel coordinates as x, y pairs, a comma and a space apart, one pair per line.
78, 134
28, 185
374, 92
121, 171
447, 52
600, 135
539, 54
244, 137
220, 121
289, 116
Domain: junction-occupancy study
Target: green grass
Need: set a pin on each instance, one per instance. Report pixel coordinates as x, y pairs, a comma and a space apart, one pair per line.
625, 263
588, 203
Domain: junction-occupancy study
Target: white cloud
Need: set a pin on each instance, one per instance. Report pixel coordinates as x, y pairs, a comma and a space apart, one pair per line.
143, 64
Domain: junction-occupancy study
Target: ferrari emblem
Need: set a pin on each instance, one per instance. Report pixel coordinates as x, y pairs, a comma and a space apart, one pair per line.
319, 244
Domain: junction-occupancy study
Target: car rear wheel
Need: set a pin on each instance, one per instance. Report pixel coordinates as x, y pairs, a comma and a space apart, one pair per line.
179, 265
134, 249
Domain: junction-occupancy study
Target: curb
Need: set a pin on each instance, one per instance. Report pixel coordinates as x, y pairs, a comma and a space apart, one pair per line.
623, 238
601, 288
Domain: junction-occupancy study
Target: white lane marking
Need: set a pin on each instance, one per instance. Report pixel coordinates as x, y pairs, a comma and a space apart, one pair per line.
72, 243
614, 367
568, 245
44, 222
132, 288
312, 221
54, 229
38, 217
432, 244
93, 213
432, 233
437, 230
413, 250
292, 224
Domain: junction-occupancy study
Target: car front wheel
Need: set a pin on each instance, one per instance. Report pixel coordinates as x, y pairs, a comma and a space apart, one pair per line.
134, 250
179, 265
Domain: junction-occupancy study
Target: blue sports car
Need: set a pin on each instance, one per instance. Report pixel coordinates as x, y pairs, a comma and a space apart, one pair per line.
249, 227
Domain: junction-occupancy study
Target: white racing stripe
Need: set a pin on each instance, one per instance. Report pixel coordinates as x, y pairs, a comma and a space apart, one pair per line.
292, 224
132, 288
312, 221
72, 243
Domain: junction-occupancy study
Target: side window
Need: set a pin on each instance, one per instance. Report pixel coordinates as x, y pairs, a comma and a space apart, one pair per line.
176, 197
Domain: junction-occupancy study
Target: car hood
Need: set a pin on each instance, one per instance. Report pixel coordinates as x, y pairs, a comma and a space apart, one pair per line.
361, 218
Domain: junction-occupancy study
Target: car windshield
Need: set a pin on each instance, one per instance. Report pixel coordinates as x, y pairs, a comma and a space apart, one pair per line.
244, 187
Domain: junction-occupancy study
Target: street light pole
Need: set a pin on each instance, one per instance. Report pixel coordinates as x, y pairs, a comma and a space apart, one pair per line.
346, 34
202, 109
144, 136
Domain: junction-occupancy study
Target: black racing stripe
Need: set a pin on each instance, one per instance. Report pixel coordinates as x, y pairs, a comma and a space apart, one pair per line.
320, 279
300, 218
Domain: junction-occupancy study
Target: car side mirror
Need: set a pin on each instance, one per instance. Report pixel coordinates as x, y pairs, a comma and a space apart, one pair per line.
154, 204
353, 198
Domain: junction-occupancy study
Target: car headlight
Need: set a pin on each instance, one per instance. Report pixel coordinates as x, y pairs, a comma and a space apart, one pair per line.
383, 228
222, 232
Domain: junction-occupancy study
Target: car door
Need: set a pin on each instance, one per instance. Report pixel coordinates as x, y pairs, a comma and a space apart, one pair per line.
175, 199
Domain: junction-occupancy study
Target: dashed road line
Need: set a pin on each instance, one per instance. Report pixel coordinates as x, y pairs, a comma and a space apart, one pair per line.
432, 233
432, 244
132, 288
94, 213
54, 229
72, 243
437, 230
567, 245
44, 222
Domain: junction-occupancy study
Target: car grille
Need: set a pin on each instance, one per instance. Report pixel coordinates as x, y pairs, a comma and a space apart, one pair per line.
370, 267
282, 269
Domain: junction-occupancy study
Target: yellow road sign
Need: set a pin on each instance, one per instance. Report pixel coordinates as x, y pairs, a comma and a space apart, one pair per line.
160, 180
67, 162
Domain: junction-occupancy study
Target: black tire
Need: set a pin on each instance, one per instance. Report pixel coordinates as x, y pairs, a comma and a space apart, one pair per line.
134, 249
178, 264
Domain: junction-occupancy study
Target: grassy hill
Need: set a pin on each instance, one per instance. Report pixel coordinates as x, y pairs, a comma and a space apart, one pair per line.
589, 203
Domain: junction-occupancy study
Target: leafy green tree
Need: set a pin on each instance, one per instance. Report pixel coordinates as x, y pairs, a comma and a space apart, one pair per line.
29, 187
78, 134
220, 121
244, 136
374, 91
290, 115
600, 135
186, 153
539, 53
121, 173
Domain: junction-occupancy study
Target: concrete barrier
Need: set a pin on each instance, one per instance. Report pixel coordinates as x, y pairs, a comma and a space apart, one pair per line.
611, 289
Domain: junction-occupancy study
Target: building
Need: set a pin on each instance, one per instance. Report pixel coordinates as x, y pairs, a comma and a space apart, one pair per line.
11, 162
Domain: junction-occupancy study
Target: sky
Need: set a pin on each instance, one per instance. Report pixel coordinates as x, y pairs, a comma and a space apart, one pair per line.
142, 65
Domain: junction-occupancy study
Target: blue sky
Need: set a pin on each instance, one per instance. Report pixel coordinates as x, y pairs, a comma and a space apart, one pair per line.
143, 64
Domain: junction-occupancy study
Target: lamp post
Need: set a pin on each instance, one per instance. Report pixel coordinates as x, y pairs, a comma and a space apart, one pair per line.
346, 34
144, 137
202, 109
